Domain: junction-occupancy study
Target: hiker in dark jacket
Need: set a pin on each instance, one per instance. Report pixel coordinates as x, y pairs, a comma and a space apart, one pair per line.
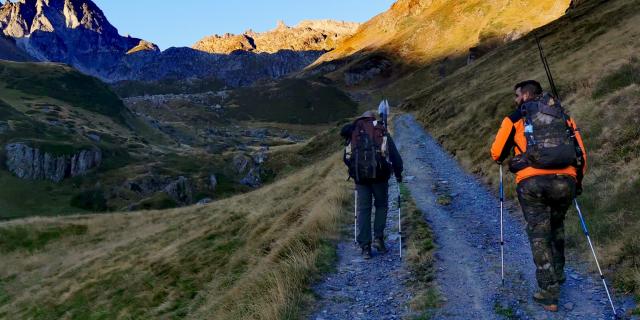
371, 157
545, 193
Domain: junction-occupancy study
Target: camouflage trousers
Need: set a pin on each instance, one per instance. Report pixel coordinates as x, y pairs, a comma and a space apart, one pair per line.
545, 201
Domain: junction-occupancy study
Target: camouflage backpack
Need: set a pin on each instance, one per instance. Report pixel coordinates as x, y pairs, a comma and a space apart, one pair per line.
549, 137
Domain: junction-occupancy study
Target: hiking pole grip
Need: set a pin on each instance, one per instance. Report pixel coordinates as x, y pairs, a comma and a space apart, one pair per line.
595, 257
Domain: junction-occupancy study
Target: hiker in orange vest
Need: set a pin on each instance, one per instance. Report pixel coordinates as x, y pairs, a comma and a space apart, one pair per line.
549, 164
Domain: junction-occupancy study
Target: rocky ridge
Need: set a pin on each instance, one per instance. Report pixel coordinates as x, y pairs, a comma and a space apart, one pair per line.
308, 35
77, 32
237, 69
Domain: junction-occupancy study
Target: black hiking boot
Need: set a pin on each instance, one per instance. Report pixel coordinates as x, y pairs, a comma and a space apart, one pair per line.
546, 299
366, 252
378, 243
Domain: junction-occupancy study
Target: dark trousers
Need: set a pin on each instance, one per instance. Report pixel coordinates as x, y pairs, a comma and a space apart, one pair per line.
545, 201
379, 192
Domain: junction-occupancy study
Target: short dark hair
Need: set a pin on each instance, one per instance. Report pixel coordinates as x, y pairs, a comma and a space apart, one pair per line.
530, 86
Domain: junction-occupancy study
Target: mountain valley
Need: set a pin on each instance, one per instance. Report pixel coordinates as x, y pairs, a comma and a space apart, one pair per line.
207, 181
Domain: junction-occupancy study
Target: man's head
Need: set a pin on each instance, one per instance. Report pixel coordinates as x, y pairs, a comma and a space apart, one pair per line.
527, 90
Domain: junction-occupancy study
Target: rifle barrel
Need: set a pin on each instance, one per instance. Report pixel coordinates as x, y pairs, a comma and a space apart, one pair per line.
547, 69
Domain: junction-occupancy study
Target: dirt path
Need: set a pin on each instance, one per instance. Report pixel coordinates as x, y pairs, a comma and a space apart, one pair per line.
362, 289
467, 231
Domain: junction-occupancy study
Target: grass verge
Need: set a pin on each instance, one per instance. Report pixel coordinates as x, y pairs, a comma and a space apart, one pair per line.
419, 258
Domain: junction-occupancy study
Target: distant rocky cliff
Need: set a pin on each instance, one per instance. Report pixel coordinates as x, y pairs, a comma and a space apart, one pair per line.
237, 69
31, 163
76, 32
309, 35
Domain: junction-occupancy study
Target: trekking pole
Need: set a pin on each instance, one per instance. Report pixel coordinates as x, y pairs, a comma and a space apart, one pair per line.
399, 219
586, 233
502, 224
355, 218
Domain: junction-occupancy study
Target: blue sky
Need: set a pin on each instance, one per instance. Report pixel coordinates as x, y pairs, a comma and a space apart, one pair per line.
183, 22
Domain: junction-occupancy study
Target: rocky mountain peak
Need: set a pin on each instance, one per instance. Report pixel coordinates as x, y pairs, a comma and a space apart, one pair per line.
22, 18
75, 32
308, 35
281, 25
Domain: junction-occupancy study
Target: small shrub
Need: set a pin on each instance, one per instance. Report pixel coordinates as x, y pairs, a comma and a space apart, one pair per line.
92, 200
158, 202
506, 312
445, 200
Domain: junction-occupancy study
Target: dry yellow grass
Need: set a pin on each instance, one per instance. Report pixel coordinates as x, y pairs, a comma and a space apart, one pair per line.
247, 257
421, 31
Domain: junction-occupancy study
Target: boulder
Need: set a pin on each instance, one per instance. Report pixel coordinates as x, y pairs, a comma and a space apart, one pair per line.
252, 179
240, 163
261, 156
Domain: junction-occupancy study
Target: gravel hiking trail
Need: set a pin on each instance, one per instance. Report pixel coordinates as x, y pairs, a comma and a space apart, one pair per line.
366, 289
464, 217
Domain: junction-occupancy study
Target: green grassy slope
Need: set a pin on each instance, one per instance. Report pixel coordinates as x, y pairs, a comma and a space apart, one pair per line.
57, 109
62, 83
54, 108
594, 55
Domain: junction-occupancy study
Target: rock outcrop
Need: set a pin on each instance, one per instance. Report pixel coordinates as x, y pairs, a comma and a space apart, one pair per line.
180, 190
250, 167
309, 35
367, 69
30, 163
